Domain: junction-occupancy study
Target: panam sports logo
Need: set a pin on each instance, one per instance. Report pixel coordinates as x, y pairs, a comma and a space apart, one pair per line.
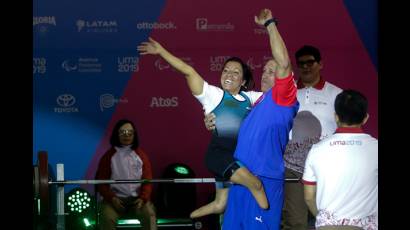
203, 26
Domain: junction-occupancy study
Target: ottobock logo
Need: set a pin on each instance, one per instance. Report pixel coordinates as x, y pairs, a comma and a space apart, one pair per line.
39, 65
217, 62
97, 26
82, 65
127, 64
156, 26
164, 102
203, 25
66, 103
108, 100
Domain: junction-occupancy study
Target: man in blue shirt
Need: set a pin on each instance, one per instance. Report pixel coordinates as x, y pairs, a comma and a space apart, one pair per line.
263, 137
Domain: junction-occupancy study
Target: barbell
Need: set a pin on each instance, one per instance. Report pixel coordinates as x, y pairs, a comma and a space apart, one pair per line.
42, 181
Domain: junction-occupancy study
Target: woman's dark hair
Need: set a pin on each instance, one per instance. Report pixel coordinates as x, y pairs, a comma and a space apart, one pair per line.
247, 73
115, 140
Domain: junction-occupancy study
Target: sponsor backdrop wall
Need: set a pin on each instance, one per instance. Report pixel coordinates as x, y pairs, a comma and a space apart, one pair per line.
88, 74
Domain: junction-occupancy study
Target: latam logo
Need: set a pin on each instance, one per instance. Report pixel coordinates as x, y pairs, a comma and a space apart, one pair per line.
108, 100
156, 26
97, 26
66, 103
164, 102
203, 26
347, 142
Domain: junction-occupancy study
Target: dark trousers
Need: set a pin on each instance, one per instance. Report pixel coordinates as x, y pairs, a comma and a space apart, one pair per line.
295, 210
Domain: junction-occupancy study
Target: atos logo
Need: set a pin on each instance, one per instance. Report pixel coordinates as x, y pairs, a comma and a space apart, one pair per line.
65, 100
164, 102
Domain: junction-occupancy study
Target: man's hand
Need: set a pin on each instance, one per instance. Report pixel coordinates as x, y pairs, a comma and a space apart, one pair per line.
151, 47
264, 15
118, 204
139, 203
209, 121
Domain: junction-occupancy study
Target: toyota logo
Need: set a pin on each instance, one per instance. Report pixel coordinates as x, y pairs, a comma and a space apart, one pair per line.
65, 100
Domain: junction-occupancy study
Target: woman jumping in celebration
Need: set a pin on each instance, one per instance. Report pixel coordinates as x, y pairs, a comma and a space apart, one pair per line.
231, 104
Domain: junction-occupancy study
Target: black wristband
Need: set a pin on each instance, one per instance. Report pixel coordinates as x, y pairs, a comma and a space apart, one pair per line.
269, 21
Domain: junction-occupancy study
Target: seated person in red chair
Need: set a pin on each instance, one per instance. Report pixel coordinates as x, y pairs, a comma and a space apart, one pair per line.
125, 160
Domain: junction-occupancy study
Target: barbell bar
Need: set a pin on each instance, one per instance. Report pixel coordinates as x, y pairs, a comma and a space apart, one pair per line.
41, 181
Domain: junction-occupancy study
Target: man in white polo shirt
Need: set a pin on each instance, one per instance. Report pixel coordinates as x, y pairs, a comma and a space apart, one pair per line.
341, 172
314, 121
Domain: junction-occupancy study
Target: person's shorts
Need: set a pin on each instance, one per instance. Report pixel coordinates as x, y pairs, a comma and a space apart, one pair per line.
243, 212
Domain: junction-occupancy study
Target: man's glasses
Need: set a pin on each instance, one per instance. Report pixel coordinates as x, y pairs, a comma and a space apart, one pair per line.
126, 132
308, 63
